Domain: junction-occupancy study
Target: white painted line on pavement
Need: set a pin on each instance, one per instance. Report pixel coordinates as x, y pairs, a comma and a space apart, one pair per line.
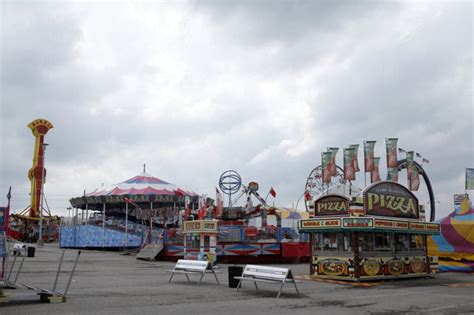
445, 307
381, 295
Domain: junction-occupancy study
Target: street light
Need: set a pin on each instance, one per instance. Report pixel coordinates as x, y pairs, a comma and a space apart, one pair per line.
68, 212
40, 238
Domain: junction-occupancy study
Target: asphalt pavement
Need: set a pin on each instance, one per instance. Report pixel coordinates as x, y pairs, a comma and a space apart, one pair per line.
110, 283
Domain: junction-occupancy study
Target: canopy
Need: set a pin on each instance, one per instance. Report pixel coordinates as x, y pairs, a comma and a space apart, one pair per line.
456, 240
142, 188
142, 184
287, 213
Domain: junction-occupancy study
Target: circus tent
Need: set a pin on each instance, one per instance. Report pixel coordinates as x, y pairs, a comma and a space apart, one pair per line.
143, 184
143, 188
455, 244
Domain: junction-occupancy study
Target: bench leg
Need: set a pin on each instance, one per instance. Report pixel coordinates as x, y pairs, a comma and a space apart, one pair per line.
239, 285
297, 292
256, 287
172, 274
199, 282
216, 278
281, 288
187, 277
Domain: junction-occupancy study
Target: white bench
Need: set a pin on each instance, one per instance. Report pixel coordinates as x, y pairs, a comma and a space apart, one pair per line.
192, 267
267, 274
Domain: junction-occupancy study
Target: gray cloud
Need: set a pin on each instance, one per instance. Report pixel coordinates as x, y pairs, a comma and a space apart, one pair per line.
193, 89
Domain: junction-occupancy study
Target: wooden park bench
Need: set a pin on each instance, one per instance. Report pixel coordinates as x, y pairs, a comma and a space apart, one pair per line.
267, 274
198, 267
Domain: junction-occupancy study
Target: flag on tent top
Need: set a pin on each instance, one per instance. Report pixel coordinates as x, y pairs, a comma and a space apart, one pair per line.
273, 192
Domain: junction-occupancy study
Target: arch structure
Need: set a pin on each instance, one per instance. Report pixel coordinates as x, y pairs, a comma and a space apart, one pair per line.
402, 164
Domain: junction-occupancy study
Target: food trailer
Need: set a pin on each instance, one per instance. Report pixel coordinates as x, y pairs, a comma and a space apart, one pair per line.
378, 236
200, 239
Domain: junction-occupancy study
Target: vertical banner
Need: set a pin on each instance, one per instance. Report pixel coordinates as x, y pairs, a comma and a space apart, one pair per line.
355, 159
333, 160
469, 178
410, 157
392, 174
326, 166
412, 172
349, 171
415, 179
375, 175
391, 147
369, 147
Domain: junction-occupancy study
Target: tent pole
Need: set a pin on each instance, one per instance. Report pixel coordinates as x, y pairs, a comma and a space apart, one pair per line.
126, 224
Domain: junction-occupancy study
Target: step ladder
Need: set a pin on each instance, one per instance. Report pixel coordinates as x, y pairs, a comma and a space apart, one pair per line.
150, 251
46, 295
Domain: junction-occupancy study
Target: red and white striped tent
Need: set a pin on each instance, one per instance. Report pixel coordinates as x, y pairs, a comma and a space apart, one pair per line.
143, 184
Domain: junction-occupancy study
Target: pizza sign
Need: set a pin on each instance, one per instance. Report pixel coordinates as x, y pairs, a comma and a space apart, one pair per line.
390, 199
331, 205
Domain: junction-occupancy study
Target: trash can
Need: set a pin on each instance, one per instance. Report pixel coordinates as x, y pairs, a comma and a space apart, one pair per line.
234, 271
31, 251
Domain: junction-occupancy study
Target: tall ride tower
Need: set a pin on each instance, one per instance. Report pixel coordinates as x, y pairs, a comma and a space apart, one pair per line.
37, 174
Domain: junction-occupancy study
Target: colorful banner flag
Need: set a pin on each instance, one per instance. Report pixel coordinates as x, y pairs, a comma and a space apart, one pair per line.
469, 178
375, 175
219, 205
391, 147
326, 166
349, 172
392, 174
333, 160
414, 183
369, 147
272, 192
355, 159
410, 159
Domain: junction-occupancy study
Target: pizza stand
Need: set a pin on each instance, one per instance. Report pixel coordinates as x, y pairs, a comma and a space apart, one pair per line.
378, 236
200, 239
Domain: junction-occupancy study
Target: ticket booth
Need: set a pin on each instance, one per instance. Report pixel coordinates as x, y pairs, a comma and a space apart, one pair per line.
200, 240
377, 237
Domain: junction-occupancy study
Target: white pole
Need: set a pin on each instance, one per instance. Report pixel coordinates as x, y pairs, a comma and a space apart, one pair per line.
126, 224
40, 238
103, 226
87, 213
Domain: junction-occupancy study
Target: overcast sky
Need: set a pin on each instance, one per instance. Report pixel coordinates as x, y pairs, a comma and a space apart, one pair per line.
194, 88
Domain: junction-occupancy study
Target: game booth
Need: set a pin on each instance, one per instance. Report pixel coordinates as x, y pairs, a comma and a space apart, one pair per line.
378, 236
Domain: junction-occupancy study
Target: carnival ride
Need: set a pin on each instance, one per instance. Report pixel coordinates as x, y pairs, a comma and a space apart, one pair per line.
147, 212
36, 221
455, 244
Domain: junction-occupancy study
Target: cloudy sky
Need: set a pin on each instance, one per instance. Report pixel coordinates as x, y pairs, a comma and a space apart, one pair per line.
193, 88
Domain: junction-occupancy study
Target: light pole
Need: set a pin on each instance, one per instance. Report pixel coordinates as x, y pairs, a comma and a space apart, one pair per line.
40, 238
69, 213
